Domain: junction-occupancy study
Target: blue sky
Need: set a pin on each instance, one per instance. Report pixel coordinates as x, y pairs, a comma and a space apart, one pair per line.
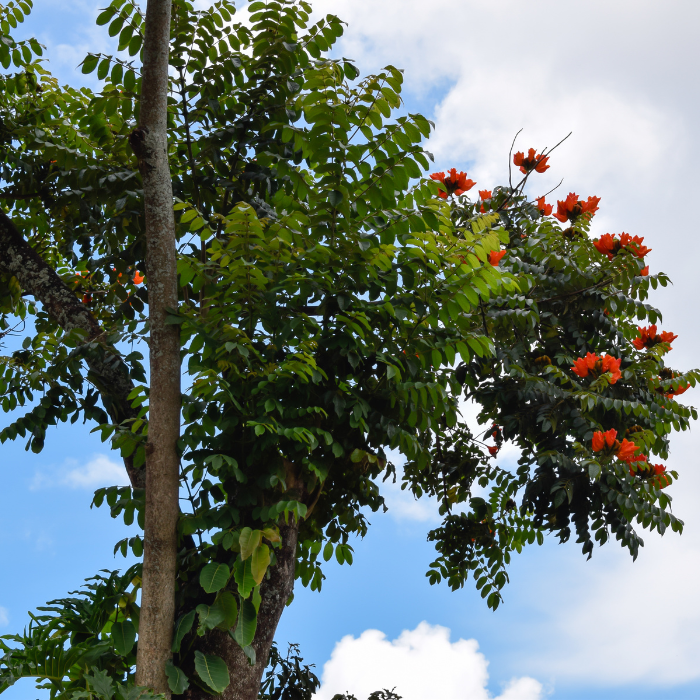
621, 77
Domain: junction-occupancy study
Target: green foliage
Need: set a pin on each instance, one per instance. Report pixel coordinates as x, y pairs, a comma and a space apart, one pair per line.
334, 309
76, 640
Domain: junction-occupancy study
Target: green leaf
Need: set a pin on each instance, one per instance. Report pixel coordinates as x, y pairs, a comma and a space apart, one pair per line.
210, 616
123, 637
101, 683
103, 69
226, 603
212, 670
247, 624
129, 80
104, 16
328, 551
90, 63
135, 44
249, 541
182, 627
214, 577
177, 680
244, 577
260, 560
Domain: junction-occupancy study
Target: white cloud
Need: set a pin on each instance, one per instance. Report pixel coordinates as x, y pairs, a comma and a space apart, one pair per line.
604, 612
4, 617
421, 664
98, 471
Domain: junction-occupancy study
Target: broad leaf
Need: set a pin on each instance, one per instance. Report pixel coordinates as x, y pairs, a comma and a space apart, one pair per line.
226, 603
260, 560
243, 576
247, 624
249, 541
214, 577
209, 617
182, 627
123, 636
212, 670
177, 680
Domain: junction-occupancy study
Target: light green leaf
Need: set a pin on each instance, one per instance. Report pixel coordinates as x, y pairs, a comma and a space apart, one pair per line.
249, 541
260, 560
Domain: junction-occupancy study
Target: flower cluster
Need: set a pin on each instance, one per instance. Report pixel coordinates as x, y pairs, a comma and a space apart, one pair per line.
531, 162
596, 365
648, 337
610, 245
656, 472
454, 182
572, 208
545, 209
625, 451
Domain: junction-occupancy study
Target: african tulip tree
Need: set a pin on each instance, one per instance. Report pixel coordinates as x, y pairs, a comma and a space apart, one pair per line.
333, 304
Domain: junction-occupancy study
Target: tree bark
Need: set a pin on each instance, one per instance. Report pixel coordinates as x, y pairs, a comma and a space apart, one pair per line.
275, 592
150, 144
107, 371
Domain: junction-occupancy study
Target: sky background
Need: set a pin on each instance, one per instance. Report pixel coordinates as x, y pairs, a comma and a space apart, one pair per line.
622, 76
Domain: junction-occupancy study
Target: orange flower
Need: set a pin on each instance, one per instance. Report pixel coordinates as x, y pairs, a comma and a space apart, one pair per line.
596, 366
455, 182
677, 392
485, 194
601, 440
625, 452
648, 337
493, 450
662, 481
634, 244
610, 245
87, 298
644, 272
495, 257
545, 209
138, 278
572, 208
612, 365
584, 365
531, 162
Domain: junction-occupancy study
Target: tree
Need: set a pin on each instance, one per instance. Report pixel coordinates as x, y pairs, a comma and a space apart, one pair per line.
333, 304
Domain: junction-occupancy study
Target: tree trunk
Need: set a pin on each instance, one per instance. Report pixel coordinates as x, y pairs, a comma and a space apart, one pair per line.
275, 592
150, 143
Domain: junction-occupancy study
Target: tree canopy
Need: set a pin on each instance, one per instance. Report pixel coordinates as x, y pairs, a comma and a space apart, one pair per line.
336, 308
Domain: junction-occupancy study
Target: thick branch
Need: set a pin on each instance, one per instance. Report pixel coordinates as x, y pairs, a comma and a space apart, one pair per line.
37, 278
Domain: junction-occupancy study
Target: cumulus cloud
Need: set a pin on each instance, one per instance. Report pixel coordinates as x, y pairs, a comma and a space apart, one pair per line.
420, 664
601, 613
98, 471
